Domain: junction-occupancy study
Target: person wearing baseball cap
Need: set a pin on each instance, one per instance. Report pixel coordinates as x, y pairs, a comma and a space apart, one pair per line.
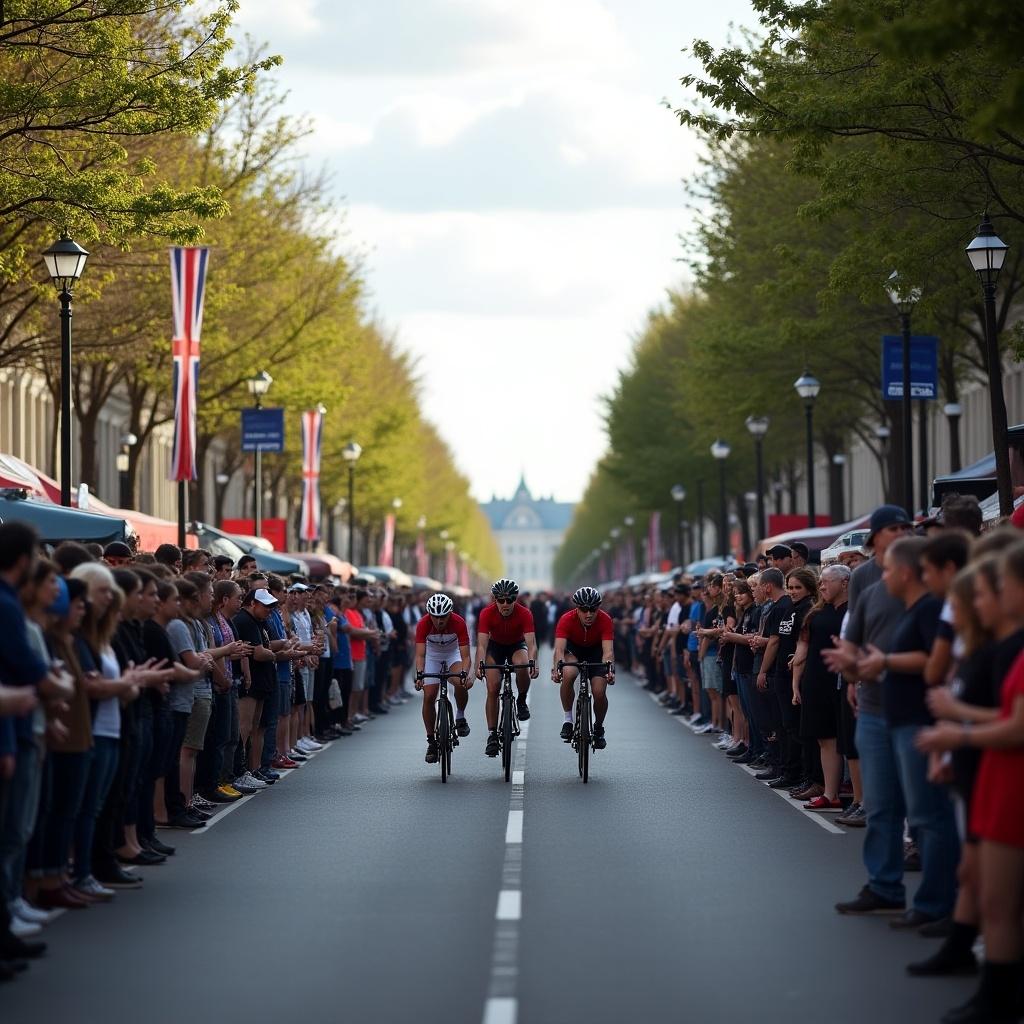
780, 556
117, 554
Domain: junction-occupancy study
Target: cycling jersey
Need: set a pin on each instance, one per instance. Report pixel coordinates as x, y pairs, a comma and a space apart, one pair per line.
502, 630
451, 638
570, 628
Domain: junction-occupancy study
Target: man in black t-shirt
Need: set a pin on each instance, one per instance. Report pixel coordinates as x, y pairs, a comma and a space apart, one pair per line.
929, 809
259, 670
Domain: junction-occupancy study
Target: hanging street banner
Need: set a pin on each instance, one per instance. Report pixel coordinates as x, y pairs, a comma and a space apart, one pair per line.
263, 430
312, 433
924, 366
188, 286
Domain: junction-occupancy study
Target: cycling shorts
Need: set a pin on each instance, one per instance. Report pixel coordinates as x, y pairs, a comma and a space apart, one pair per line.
593, 654
434, 661
498, 654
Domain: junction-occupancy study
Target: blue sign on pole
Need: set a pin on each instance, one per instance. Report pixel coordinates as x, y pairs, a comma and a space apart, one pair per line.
924, 366
263, 430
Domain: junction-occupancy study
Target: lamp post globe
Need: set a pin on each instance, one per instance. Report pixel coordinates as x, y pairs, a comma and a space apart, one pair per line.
757, 426
350, 453
721, 450
905, 297
808, 386
258, 385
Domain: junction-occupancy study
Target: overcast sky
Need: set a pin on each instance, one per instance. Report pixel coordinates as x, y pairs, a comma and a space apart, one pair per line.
515, 183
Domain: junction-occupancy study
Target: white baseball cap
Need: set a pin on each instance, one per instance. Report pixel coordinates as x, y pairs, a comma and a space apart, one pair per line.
264, 597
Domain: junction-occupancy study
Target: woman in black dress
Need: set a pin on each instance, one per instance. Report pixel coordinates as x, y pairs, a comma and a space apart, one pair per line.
815, 687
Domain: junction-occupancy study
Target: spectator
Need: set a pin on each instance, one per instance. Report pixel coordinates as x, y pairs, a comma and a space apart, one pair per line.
117, 554
169, 555
222, 567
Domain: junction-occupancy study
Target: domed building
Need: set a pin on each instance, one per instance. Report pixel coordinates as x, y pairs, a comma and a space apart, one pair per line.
529, 532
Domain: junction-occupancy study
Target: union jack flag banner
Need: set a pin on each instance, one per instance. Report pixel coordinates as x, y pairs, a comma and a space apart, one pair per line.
188, 284
312, 434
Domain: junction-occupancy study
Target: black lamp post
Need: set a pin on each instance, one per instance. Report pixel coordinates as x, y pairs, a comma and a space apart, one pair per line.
839, 461
883, 433
123, 462
678, 493
758, 427
258, 386
350, 453
700, 518
807, 387
720, 450
65, 261
986, 253
904, 298
953, 411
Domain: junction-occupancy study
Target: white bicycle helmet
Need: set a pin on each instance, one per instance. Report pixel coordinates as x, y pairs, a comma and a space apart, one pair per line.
505, 588
587, 598
439, 605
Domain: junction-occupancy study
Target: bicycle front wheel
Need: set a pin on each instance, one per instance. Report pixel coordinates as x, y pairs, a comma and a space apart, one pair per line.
444, 739
584, 745
506, 735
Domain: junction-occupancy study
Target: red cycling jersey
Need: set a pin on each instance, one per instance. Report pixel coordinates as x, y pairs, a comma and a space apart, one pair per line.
570, 628
453, 634
504, 630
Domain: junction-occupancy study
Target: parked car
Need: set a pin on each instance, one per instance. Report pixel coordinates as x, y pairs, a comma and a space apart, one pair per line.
715, 564
220, 543
850, 539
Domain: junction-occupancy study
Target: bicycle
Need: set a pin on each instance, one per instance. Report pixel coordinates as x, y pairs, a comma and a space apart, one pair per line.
583, 726
444, 719
508, 718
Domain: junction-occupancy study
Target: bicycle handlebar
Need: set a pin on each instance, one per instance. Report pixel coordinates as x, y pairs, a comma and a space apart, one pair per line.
583, 664
486, 665
440, 675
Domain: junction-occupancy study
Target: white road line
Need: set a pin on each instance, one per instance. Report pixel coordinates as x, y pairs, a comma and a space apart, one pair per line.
510, 902
500, 1011
518, 779
514, 828
222, 814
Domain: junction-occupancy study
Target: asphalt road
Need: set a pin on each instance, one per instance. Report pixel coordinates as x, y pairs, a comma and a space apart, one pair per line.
672, 887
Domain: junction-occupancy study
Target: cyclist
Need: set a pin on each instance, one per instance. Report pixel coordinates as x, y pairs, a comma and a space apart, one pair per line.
585, 633
505, 631
441, 636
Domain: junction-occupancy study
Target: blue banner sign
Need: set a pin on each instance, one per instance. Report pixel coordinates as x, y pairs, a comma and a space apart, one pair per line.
924, 366
263, 430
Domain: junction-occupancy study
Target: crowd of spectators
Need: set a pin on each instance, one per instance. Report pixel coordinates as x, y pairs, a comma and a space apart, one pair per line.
885, 688
139, 692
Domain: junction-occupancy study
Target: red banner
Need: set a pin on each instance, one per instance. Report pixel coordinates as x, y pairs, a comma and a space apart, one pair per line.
387, 547
274, 530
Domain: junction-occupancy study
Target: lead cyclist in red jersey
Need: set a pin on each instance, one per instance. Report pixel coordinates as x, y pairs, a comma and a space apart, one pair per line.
442, 638
585, 634
505, 632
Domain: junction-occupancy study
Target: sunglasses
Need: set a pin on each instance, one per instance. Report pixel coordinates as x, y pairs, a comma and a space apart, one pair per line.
504, 600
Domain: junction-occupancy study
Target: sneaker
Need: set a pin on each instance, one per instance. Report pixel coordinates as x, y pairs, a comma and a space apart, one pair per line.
431, 757
200, 803
724, 743
567, 731
157, 847
492, 748
298, 755
229, 793
360, 718
282, 763
869, 902
267, 776
681, 712
599, 741
23, 909
854, 817
523, 710
309, 746
911, 857
822, 803
703, 730
94, 890
22, 929
248, 783
395, 701
695, 719
118, 877
812, 792
462, 726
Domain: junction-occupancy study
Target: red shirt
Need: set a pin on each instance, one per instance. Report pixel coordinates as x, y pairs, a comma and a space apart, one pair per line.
504, 630
356, 621
570, 628
454, 632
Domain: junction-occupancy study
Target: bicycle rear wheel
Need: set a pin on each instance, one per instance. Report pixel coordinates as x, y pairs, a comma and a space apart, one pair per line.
506, 735
584, 746
444, 739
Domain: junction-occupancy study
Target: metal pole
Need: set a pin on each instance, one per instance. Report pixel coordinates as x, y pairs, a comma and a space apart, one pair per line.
809, 407
182, 511
124, 496
700, 518
924, 484
954, 444
1000, 437
65, 397
679, 538
351, 515
907, 423
762, 522
257, 495
723, 515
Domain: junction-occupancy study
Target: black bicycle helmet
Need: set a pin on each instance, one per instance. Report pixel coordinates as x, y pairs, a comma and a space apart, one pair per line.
505, 588
587, 598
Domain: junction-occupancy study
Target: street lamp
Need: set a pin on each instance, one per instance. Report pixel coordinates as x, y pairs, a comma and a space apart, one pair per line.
883, 433
807, 387
953, 412
720, 450
65, 261
758, 427
986, 253
839, 461
258, 386
904, 299
678, 493
122, 462
350, 453
684, 525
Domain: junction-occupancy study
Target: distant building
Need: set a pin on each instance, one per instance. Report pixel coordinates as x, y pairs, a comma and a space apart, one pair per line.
529, 531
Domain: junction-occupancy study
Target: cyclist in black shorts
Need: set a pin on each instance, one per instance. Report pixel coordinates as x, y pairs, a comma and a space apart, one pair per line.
586, 634
505, 632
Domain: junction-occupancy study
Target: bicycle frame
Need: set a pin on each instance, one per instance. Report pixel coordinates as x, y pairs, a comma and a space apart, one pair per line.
583, 724
444, 721
508, 717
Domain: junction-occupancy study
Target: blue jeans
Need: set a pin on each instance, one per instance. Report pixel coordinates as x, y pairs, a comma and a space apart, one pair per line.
19, 817
69, 774
268, 723
102, 770
930, 813
745, 687
883, 801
